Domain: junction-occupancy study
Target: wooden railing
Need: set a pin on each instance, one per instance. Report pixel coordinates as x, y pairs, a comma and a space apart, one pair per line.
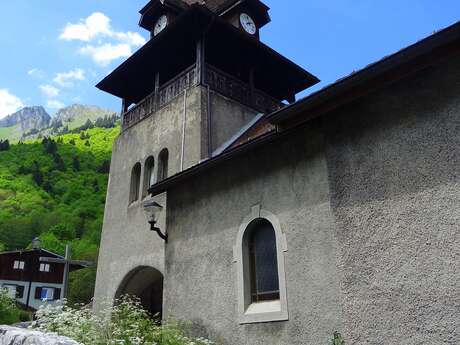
236, 89
217, 80
157, 99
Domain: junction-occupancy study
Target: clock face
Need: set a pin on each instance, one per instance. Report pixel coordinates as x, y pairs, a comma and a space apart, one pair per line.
248, 23
161, 23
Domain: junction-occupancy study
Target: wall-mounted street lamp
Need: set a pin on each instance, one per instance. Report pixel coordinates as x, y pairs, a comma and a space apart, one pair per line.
152, 212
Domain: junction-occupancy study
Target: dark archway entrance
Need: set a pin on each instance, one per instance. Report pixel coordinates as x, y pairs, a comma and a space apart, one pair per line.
146, 283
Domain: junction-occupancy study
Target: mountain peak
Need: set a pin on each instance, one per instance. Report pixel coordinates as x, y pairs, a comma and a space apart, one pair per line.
27, 118
76, 115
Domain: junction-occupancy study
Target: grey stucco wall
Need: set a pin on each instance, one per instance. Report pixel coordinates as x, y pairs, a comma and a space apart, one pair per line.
227, 118
288, 179
394, 164
127, 242
368, 199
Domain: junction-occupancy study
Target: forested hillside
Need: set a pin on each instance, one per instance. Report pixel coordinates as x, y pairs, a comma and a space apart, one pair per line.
55, 189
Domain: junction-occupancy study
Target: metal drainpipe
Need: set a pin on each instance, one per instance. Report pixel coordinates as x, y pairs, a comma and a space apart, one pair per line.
209, 119
183, 131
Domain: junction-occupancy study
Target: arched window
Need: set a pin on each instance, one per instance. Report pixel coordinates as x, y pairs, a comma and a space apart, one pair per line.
135, 183
163, 158
259, 256
149, 176
263, 263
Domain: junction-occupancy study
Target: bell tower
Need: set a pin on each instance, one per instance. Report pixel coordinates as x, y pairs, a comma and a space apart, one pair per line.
210, 49
202, 77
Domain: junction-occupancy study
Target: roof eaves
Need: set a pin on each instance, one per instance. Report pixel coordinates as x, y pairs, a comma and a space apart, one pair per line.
31, 251
162, 186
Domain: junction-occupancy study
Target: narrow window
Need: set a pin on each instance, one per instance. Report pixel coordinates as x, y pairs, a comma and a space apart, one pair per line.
163, 158
44, 267
263, 263
149, 176
18, 265
11, 290
135, 183
259, 257
46, 293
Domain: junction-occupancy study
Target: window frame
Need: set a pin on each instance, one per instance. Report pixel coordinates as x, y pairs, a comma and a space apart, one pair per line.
10, 288
46, 267
20, 265
266, 311
149, 175
55, 290
135, 183
163, 165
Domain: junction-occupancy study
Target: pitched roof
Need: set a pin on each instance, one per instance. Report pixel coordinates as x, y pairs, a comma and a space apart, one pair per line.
33, 250
173, 51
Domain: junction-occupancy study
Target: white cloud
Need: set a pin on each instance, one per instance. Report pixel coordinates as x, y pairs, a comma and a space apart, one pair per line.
55, 104
131, 38
49, 91
106, 53
96, 24
65, 79
9, 103
108, 44
37, 73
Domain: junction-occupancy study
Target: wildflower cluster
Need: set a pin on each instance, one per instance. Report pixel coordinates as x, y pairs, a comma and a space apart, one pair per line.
126, 323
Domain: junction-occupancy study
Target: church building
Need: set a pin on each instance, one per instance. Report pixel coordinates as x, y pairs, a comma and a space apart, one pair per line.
276, 221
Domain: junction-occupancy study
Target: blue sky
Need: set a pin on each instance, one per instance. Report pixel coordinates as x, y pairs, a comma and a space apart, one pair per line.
54, 52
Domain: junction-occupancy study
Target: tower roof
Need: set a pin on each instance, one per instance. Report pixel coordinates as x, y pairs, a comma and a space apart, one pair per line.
173, 51
151, 10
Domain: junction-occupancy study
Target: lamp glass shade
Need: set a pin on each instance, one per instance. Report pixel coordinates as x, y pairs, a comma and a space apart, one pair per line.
152, 210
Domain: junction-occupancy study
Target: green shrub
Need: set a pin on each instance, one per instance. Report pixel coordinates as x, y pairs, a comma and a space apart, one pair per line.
337, 339
24, 316
126, 323
9, 313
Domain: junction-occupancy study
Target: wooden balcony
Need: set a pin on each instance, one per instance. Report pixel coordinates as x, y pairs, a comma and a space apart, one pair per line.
217, 80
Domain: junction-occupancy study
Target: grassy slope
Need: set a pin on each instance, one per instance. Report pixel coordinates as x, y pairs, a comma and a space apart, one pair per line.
87, 113
70, 209
10, 133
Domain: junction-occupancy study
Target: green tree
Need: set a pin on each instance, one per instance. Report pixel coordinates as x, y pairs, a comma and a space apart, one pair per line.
104, 168
76, 163
81, 285
63, 232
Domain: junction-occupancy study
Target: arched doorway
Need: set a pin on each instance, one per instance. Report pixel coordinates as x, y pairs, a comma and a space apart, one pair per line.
146, 283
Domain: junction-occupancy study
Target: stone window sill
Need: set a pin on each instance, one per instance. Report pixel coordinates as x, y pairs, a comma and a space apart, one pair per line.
264, 312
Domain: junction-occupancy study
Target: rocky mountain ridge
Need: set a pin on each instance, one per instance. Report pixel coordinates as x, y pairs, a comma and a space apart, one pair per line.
27, 118
34, 121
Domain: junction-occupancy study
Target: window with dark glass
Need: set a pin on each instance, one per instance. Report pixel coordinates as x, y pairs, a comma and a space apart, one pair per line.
135, 183
163, 158
149, 177
263, 263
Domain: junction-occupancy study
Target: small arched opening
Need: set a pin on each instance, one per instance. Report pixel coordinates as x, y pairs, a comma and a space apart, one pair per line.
146, 283
149, 175
135, 183
163, 158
